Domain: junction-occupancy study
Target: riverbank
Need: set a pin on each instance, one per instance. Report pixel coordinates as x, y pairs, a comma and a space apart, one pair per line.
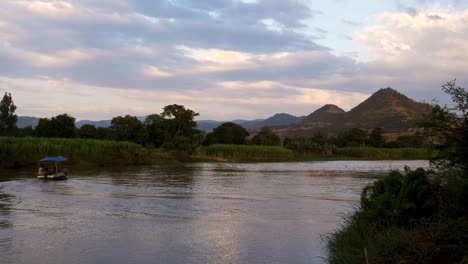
24, 152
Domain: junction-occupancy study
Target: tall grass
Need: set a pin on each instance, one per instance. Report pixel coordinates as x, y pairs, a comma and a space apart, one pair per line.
243, 152
383, 153
27, 151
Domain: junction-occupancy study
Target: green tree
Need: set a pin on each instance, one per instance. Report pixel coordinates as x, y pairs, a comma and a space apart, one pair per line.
375, 138
352, 138
61, 126
8, 118
266, 137
128, 128
180, 128
448, 128
87, 131
157, 129
227, 133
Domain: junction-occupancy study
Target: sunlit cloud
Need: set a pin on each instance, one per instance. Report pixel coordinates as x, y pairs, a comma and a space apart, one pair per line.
155, 72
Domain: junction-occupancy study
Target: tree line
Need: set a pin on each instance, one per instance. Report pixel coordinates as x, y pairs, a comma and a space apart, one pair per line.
175, 129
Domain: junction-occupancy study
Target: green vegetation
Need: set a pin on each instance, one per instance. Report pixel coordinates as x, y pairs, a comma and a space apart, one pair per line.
27, 151
227, 133
61, 126
419, 216
246, 153
8, 118
266, 137
383, 153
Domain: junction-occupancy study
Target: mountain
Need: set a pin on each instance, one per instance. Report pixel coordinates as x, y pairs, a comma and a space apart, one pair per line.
100, 123
208, 125
326, 114
387, 108
282, 119
24, 121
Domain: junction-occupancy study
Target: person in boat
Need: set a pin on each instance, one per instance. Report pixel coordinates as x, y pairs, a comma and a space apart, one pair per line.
41, 170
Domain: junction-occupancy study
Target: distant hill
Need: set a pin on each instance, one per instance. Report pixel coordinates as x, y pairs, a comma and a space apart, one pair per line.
208, 125
100, 123
24, 121
277, 120
326, 114
386, 108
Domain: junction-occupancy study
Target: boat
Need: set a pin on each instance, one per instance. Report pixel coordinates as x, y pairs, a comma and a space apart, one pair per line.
53, 174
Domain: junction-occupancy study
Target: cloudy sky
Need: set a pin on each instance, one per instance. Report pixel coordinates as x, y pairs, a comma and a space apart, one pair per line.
95, 59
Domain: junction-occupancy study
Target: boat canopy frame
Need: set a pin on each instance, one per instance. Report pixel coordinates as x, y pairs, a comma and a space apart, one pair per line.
53, 159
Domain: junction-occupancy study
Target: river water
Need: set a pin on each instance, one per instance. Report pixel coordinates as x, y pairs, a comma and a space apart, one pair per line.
185, 213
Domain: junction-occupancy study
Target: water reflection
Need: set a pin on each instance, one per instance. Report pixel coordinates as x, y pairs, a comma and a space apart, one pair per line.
5, 209
188, 213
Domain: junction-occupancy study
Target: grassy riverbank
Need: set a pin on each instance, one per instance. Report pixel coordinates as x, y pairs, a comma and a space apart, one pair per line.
222, 152
268, 153
18, 152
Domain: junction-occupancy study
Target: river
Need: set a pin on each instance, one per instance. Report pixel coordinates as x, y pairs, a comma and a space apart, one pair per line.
182, 213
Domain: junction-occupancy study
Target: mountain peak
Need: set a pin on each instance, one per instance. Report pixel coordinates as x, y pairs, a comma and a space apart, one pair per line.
324, 114
330, 108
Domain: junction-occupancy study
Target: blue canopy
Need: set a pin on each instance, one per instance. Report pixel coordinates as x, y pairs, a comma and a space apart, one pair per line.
58, 158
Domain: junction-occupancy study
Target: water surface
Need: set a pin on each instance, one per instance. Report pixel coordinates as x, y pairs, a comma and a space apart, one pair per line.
186, 213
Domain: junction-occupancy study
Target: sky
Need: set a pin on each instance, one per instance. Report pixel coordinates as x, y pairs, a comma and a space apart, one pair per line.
239, 59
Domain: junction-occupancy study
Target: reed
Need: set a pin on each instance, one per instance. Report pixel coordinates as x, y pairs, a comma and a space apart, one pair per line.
383, 153
27, 151
246, 153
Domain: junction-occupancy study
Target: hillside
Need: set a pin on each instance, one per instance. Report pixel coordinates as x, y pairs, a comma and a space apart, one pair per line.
386, 108
326, 114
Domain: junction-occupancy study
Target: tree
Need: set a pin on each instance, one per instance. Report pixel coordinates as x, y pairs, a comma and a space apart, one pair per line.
128, 128
180, 129
8, 118
157, 129
87, 131
448, 128
61, 126
352, 138
227, 133
375, 138
266, 137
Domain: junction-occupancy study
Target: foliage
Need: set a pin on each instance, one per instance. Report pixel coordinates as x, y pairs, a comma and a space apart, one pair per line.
87, 131
376, 139
128, 128
174, 129
316, 145
25, 151
381, 153
419, 217
409, 218
448, 127
61, 126
266, 137
354, 137
8, 118
243, 152
227, 133
417, 140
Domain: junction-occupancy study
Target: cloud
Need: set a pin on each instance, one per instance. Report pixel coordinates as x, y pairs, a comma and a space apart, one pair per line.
155, 72
247, 59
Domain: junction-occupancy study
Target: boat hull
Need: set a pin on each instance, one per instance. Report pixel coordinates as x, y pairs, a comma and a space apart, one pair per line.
54, 177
